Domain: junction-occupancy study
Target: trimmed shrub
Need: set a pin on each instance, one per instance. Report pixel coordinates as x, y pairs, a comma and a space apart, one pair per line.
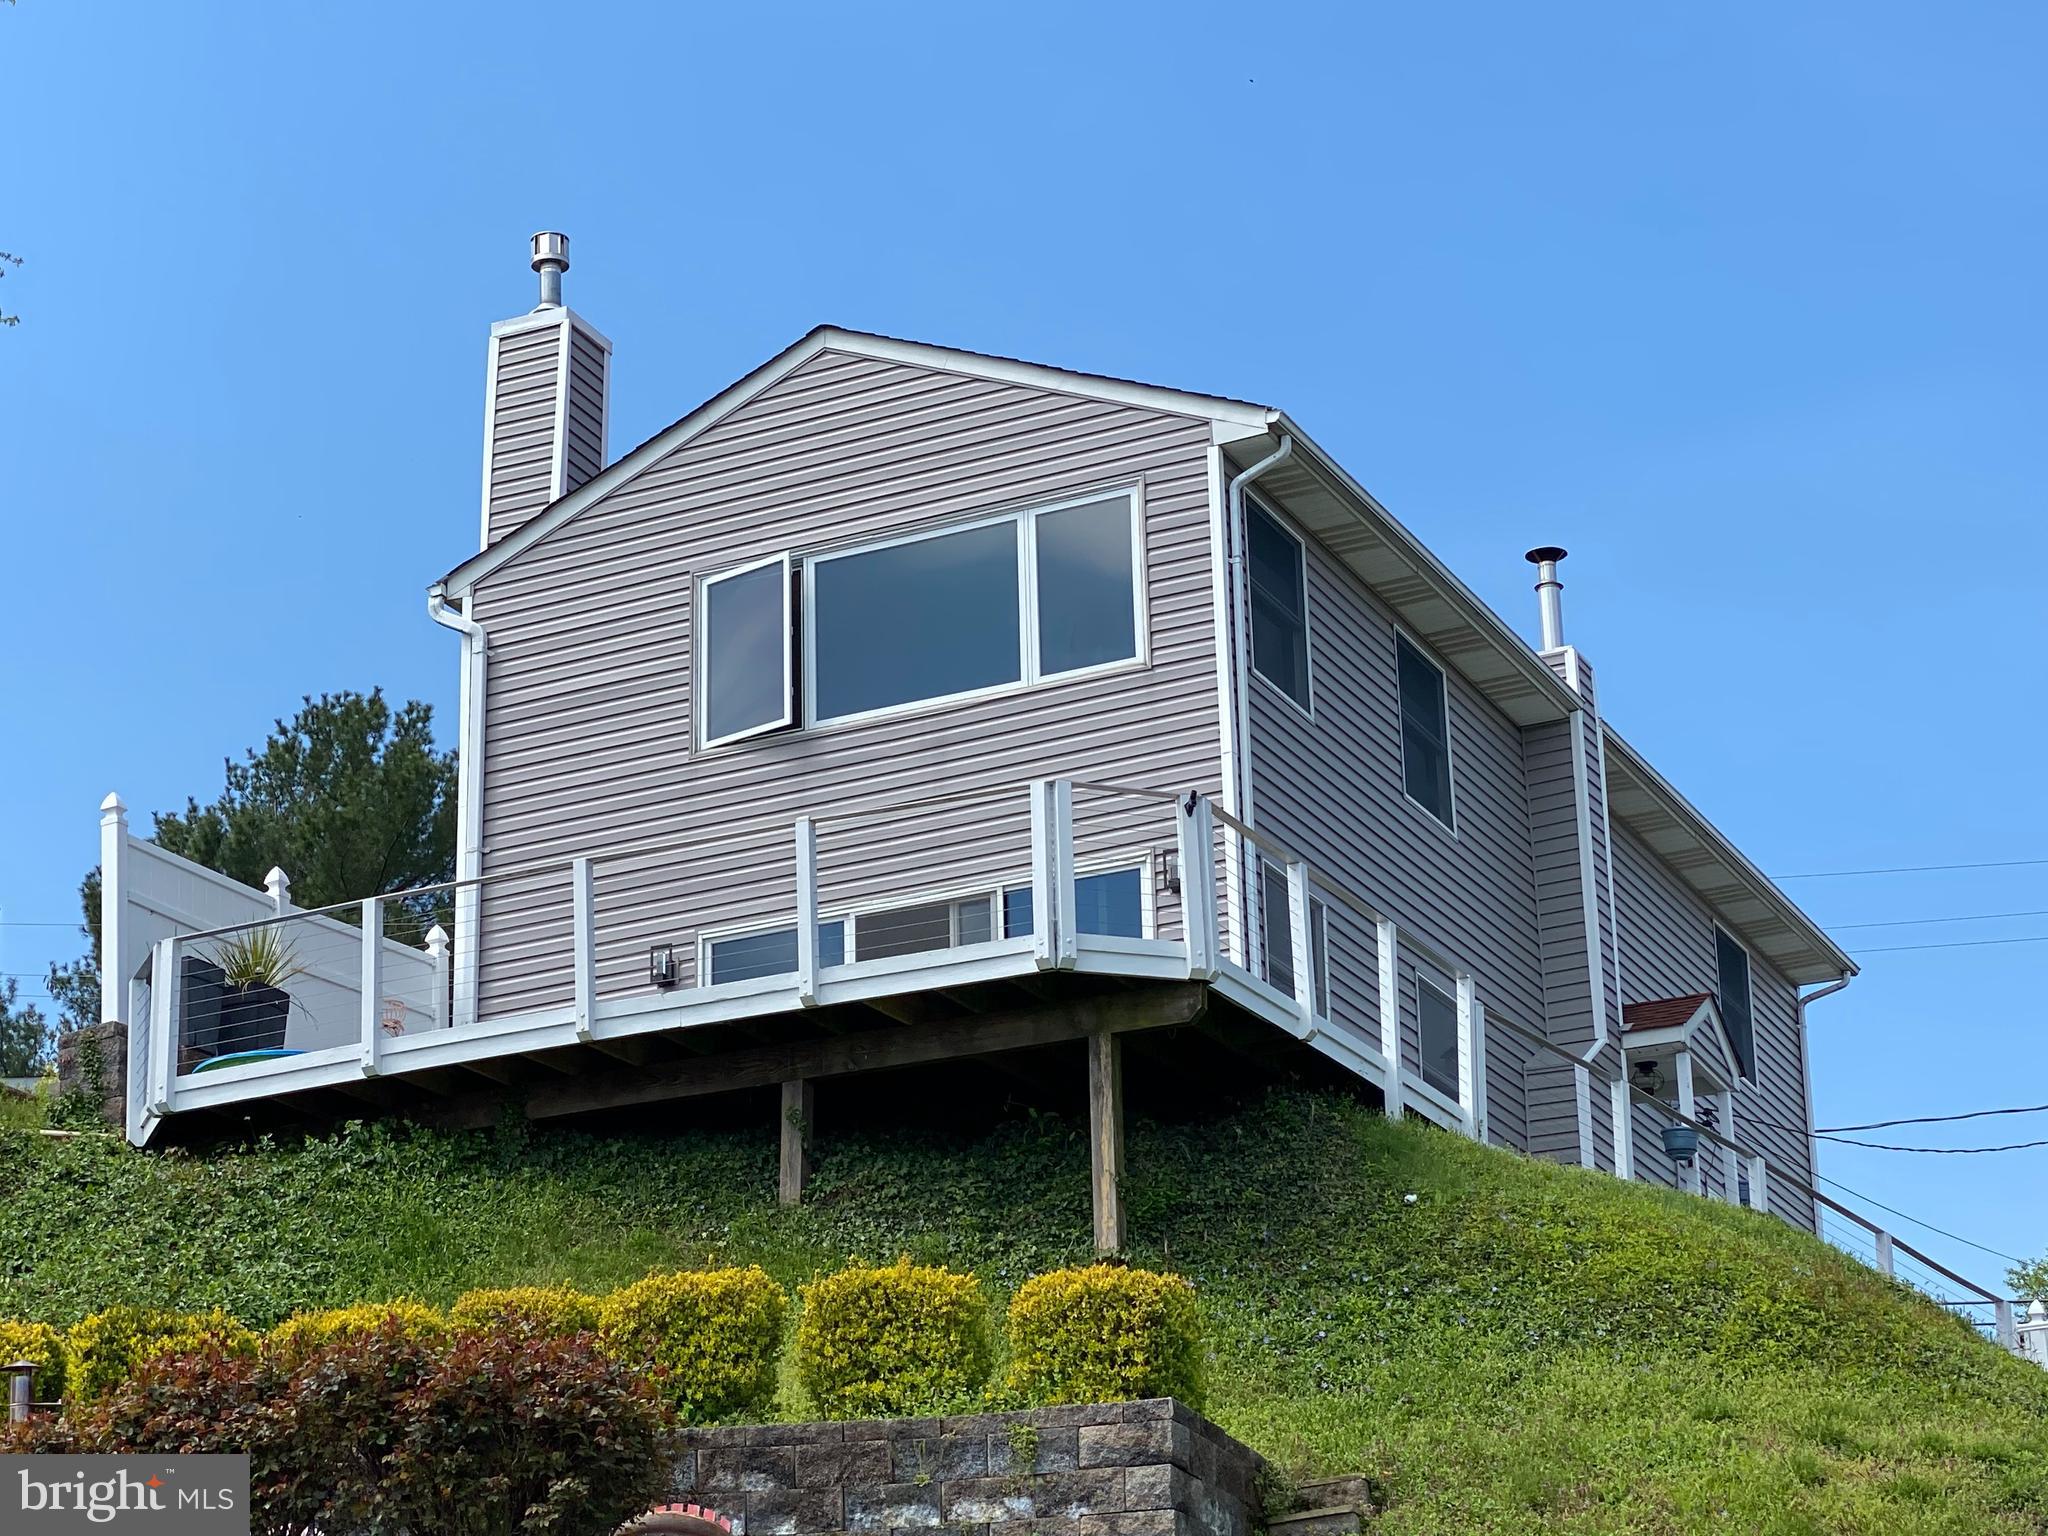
106, 1348
44, 1345
1105, 1334
545, 1309
878, 1343
710, 1338
298, 1335
391, 1430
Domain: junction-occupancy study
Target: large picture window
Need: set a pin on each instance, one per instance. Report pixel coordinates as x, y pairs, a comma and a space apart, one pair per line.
744, 685
1042, 593
1425, 731
1732, 960
1111, 904
1279, 603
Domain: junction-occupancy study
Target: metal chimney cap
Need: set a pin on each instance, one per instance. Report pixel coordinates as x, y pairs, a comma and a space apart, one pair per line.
1545, 554
551, 247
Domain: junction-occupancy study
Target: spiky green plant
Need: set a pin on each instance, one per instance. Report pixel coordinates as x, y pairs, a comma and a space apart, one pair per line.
259, 957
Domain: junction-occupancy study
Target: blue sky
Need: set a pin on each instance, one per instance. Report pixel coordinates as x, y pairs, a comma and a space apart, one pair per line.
1742, 305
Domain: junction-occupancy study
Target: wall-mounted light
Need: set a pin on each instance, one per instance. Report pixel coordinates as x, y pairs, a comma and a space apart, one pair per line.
1169, 870
662, 969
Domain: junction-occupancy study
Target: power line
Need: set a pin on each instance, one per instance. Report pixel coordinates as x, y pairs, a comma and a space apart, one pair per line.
1910, 869
1885, 1146
1968, 1114
1916, 1221
1898, 949
1916, 922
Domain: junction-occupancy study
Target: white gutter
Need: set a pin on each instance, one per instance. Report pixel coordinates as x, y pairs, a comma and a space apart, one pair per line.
1806, 1073
469, 800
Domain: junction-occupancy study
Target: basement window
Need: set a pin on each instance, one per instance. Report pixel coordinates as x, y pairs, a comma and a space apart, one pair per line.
1425, 731
918, 929
772, 952
1038, 594
1436, 1027
1732, 961
1278, 578
1111, 904
744, 682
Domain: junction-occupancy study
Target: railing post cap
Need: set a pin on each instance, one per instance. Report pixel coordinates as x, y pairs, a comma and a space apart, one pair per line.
2037, 1310
114, 805
277, 876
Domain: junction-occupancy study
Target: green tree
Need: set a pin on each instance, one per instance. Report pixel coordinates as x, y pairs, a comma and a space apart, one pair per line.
2029, 1280
348, 797
24, 1037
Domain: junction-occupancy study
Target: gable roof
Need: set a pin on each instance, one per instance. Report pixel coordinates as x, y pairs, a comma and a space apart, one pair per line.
1752, 907
1678, 1023
1422, 591
1665, 1012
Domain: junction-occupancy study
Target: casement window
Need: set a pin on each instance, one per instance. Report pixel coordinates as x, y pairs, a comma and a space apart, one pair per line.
1043, 593
1425, 731
1111, 903
1277, 567
1733, 963
744, 956
1436, 1028
1276, 937
745, 677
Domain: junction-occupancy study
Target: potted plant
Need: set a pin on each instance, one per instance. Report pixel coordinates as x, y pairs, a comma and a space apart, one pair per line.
255, 966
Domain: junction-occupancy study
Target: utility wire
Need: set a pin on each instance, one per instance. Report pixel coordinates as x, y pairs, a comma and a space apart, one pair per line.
1896, 949
1968, 1114
1883, 1146
1916, 922
1929, 1226
1910, 869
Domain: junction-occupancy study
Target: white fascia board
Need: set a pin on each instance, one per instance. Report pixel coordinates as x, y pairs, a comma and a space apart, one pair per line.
1703, 831
828, 338
541, 319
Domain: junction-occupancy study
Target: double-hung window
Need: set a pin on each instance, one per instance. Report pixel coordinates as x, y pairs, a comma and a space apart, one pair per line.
745, 680
1732, 961
1043, 593
1425, 731
1278, 578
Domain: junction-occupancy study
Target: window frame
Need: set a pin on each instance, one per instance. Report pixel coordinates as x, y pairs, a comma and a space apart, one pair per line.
1427, 978
1030, 675
1319, 956
700, 647
1273, 515
1148, 902
709, 937
1743, 1073
1443, 673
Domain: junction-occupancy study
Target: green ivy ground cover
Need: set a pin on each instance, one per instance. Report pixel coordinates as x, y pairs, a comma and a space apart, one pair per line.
1518, 1348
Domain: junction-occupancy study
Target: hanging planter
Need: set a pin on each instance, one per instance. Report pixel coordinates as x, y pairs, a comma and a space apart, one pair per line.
1681, 1144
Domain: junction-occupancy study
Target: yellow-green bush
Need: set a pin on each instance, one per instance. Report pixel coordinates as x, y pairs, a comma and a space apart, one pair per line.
709, 1336
44, 1345
307, 1331
874, 1343
549, 1309
104, 1348
1103, 1334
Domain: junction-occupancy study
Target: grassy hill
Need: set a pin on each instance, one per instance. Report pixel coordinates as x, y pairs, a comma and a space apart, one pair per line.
1510, 1346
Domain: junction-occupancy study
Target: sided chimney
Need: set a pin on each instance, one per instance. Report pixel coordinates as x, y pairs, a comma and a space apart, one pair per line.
547, 393
1549, 593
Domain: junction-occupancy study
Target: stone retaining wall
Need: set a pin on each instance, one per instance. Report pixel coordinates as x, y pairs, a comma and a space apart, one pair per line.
1153, 1468
113, 1049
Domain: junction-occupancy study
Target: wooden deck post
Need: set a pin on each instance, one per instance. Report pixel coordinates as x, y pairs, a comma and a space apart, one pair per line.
799, 1099
1106, 1138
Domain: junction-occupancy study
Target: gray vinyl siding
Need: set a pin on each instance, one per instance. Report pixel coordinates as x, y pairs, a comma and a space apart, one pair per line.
583, 420
1668, 951
1331, 787
522, 427
1566, 975
589, 740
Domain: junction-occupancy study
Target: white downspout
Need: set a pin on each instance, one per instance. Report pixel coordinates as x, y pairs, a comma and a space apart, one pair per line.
1241, 677
469, 800
1806, 1076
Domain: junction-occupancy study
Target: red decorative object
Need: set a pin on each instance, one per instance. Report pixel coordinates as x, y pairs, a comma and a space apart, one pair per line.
679, 1520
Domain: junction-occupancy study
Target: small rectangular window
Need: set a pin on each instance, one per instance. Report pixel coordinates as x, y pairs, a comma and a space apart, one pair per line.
745, 679
1733, 962
1276, 925
1425, 731
918, 929
772, 953
1319, 954
1437, 1031
1111, 904
1278, 579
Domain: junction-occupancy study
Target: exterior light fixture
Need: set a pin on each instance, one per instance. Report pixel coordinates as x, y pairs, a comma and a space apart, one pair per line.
662, 970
